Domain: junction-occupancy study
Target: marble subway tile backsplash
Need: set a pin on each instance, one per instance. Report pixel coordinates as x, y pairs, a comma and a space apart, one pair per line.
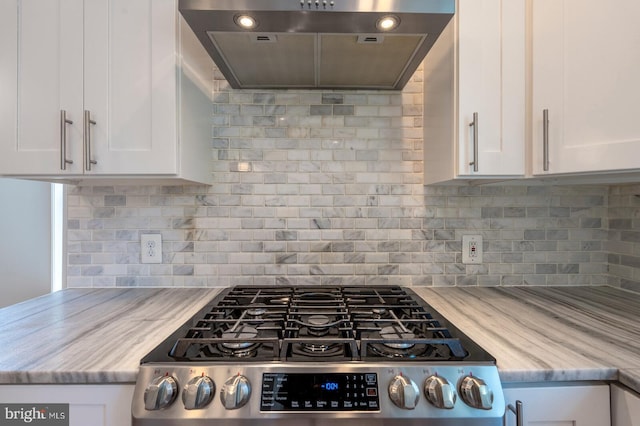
532, 236
323, 188
623, 242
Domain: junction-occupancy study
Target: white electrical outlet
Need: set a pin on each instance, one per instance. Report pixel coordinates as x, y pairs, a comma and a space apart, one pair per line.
151, 248
472, 249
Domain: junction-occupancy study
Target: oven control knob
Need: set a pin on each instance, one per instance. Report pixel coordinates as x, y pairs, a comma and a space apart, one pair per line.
160, 393
235, 392
476, 393
439, 392
198, 393
404, 392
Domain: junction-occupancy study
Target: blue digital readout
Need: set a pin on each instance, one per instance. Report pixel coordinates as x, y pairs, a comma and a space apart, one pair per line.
330, 386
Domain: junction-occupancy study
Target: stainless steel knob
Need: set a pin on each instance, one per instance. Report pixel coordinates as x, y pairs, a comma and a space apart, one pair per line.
475, 393
198, 393
404, 392
439, 392
160, 393
235, 392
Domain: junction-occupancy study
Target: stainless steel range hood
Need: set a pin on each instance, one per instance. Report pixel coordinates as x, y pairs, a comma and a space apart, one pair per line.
321, 44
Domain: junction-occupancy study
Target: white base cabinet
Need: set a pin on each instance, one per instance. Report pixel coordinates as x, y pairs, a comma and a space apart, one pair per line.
103, 88
625, 407
474, 94
95, 405
544, 405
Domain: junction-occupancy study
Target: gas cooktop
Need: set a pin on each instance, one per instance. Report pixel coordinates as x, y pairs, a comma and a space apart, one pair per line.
302, 324
377, 353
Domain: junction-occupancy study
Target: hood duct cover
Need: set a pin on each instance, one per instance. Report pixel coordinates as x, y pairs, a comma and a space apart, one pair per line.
323, 44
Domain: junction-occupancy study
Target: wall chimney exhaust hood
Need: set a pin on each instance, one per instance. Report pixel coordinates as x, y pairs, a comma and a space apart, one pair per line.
319, 44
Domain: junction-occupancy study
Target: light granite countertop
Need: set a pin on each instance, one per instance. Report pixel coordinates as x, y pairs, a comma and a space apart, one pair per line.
90, 335
542, 334
535, 333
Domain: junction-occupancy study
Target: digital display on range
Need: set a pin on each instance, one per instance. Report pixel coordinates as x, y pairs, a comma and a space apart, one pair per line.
319, 392
330, 386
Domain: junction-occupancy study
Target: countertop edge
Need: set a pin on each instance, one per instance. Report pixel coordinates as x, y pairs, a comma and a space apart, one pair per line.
67, 378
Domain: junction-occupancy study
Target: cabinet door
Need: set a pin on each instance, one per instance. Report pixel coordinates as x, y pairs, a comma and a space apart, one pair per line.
130, 85
491, 83
561, 406
41, 75
585, 59
8, 80
625, 407
96, 405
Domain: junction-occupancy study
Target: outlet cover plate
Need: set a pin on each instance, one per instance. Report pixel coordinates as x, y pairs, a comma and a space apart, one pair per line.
151, 248
472, 249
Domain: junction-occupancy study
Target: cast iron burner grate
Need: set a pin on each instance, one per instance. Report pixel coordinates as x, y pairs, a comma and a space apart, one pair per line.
318, 324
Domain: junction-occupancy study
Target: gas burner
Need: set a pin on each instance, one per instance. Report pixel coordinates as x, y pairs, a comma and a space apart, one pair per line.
239, 348
243, 332
318, 325
240, 352
395, 334
318, 320
387, 351
256, 312
317, 349
312, 347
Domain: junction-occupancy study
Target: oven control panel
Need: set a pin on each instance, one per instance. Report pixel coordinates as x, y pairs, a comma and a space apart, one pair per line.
300, 394
319, 392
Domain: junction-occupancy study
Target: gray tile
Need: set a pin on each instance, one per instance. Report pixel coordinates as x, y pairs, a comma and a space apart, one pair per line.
321, 110
343, 110
286, 235
332, 98
264, 98
534, 234
183, 269
546, 268
115, 200
492, 212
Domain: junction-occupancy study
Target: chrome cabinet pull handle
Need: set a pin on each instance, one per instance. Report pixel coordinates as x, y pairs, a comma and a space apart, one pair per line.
474, 124
63, 140
518, 411
87, 140
545, 140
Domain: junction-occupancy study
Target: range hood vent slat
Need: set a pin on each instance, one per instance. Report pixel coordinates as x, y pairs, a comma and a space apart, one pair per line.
368, 39
264, 38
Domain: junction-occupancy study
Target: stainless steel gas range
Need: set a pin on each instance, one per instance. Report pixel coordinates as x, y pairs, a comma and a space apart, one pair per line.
318, 356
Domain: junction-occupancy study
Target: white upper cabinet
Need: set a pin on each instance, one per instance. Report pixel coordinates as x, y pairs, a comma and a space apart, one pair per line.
115, 70
130, 86
585, 61
474, 94
36, 63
